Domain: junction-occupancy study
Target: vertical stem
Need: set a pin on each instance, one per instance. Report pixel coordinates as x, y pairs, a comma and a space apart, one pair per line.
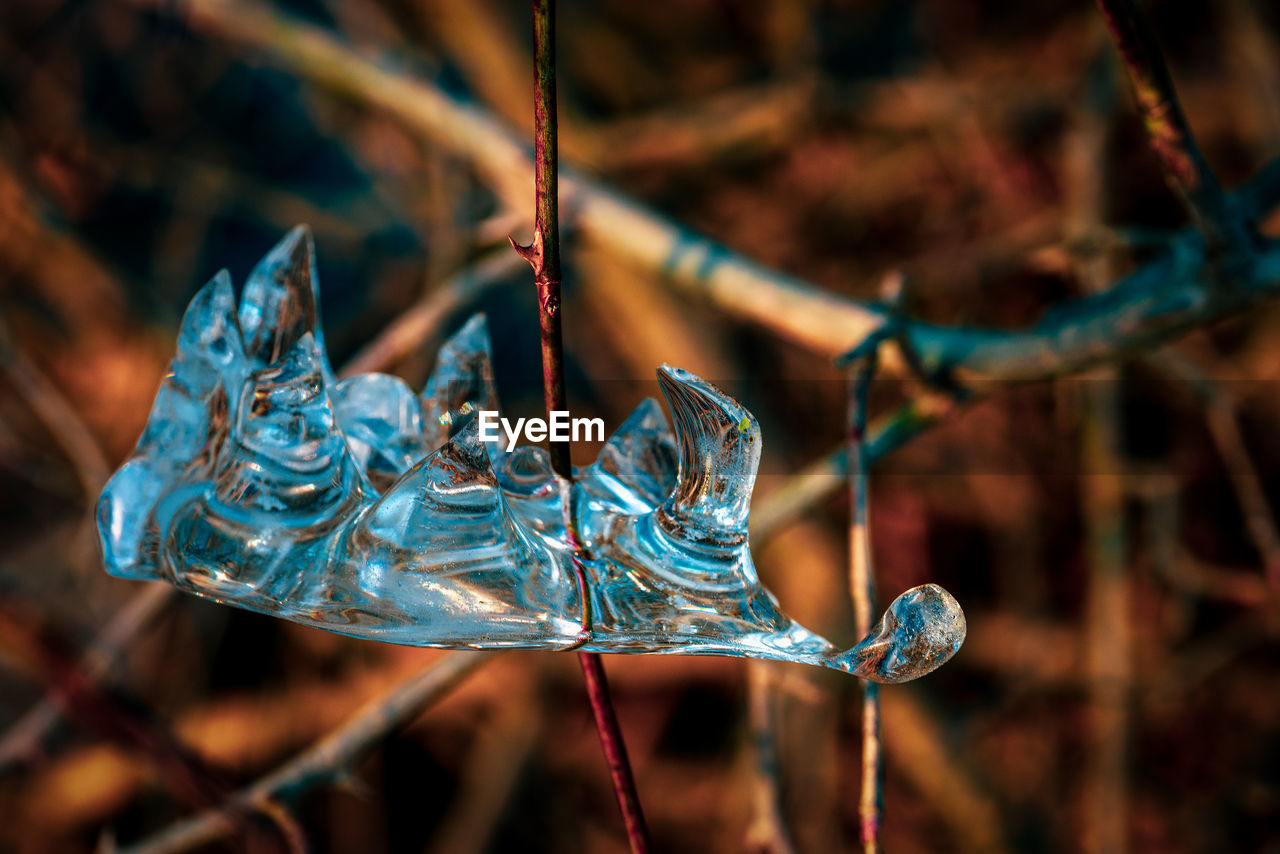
1107, 639
544, 256
546, 239
1180, 157
863, 592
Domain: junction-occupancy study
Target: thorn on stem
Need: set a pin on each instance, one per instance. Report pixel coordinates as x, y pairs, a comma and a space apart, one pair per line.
533, 253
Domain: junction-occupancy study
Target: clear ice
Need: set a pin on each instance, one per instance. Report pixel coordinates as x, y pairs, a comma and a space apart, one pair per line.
363, 508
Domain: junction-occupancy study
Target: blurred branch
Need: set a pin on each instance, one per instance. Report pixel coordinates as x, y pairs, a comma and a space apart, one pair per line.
768, 832
1222, 418
1176, 291
59, 417
1257, 59
407, 332
1107, 639
327, 759
862, 591
754, 119
493, 770
1180, 157
111, 716
918, 745
23, 739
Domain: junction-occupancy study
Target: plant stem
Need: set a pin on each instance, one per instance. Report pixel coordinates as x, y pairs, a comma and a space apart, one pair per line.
544, 256
863, 592
1180, 157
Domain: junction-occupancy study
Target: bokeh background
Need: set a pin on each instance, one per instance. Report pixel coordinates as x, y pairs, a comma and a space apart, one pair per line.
1107, 534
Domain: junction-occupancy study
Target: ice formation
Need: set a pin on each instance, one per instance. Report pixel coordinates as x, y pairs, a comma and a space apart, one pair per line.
363, 508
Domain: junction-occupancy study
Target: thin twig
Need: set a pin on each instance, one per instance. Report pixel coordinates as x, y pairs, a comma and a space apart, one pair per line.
59, 417
185, 774
23, 738
407, 332
1180, 157
328, 758
543, 254
1106, 635
768, 833
492, 772
863, 592
1222, 417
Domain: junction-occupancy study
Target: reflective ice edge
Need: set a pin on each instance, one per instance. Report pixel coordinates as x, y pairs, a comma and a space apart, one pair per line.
364, 508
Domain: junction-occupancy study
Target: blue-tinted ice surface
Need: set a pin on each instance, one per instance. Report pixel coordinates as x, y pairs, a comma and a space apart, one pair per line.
366, 509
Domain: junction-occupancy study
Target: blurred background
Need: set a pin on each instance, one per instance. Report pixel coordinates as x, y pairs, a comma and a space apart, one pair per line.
1108, 535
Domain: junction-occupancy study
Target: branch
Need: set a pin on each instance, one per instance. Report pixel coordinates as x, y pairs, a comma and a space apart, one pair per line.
24, 738
1175, 292
328, 758
1180, 157
411, 327
1222, 418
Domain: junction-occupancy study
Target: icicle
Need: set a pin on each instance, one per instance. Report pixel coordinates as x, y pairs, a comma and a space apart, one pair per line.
719, 451
284, 481
462, 382
637, 466
281, 301
186, 424
680, 577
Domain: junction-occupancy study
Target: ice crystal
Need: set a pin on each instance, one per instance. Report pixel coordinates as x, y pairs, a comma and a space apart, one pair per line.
362, 508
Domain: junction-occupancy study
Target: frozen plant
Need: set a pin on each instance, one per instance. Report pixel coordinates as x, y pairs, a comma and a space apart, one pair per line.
363, 508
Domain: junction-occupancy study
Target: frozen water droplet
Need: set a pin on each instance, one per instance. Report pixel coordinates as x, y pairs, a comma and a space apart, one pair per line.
718, 444
281, 301
462, 382
921, 630
382, 420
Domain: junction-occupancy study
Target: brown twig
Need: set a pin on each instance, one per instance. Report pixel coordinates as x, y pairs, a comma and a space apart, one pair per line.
1183, 163
23, 738
1106, 635
407, 331
768, 833
543, 254
59, 417
863, 592
328, 758
105, 713
1222, 418
492, 771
